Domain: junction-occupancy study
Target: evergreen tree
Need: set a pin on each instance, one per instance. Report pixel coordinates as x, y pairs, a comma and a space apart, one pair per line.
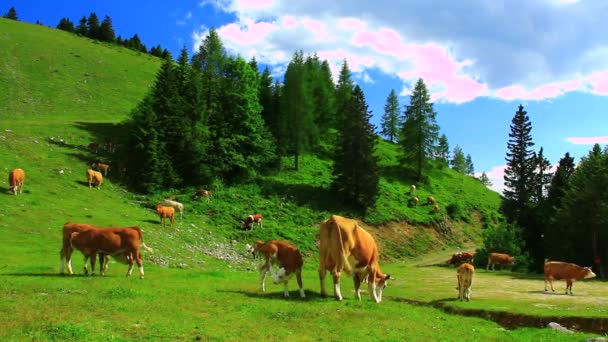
66, 25
81, 29
11, 14
265, 95
443, 151
485, 180
542, 179
560, 182
166, 54
321, 88
253, 63
390, 119
93, 28
468, 165
459, 163
344, 91
156, 51
106, 30
419, 133
355, 170
519, 173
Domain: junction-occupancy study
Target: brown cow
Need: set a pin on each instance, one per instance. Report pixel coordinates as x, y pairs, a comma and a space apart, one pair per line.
203, 193
16, 178
345, 246
558, 270
430, 200
436, 208
464, 274
251, 219
499, 259
413, 201
286, 256
164, 213
66, 248
101, 167
461, 257
94, 177
121, 243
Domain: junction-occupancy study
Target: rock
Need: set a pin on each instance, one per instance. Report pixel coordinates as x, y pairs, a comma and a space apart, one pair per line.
558, 327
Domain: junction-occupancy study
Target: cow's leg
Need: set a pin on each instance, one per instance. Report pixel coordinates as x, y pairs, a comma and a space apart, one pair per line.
131, 262
62, 258
371, 285
93, 257
357, 281
140, 264
337, 292
322, 273
86, 266
299, 279
263, 270
285, 289
68, 260
569, 285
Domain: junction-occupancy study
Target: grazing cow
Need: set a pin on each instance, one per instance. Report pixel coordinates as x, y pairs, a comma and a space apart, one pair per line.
464, 274
164, 213
430, 200
500, 259
287, 257
461, 257
101, 167
203, 193
94, 177
436, 208
251, 219
175, 205
66, 248
345, 246
121, 243
558, 270
94, 147
16, 178
412, 189
413, 201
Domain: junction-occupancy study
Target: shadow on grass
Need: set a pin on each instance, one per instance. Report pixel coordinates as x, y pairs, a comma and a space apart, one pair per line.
278, 295
314, 197
42, 274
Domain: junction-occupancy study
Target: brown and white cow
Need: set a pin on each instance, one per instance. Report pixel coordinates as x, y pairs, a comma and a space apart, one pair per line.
101, 167
413, 201
345, 246
558, 270
203, 193
120, 243
461, 257
165, 213
464, 274
94, 178
287, 257
66, 247
251, 219
499, 259
430, 200
16, 178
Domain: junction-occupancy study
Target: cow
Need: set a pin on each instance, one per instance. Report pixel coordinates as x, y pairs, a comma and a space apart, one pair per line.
500, 259
16, 178
461, 257
558, 270
121, 243
345, 246
430, 200
179, 207
66, 248
101, 167
413, 201
436, 208
464, 274
94, 147
164, 213
412, 189
203, 193
287, 257
94, 177
251, 219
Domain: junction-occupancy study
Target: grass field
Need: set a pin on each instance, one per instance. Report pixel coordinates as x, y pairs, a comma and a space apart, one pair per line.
58, 92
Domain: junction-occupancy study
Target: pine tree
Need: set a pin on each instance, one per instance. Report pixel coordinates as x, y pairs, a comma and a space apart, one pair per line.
390, 119
355, 170
459, 163
66, 25
11, 14
560, 182
485, 180
468, 165
519, 173
344, 91
93, 26
210, 60
81, 29
419, 133
322, 91
443, 151
265, 95
542, 177
106, 30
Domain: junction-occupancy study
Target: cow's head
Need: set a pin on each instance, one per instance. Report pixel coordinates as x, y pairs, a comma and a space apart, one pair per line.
589, 273
381, 284
251, 250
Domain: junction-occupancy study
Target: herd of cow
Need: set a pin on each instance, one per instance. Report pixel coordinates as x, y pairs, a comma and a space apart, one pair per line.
344, 246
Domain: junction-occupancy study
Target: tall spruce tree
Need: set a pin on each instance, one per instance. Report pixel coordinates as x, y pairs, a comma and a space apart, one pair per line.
66, 25
321, 88
419, 133
390, 119
11, 14
93, 26
459, 162
355, 170
266, 101
469, 167
81, 29
519, 173
542, 177
106, 30
443, 151
344, 91
210, 60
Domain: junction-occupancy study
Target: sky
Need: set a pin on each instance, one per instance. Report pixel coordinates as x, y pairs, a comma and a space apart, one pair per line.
480, 59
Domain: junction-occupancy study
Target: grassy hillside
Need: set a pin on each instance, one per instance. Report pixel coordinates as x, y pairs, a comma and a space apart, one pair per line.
58, 92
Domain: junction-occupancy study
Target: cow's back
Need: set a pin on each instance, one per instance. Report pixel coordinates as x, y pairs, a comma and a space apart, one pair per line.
561, 270
289, 256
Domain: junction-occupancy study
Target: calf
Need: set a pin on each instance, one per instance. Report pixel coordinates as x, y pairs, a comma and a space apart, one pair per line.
464, 274
16, 178
436, 208
122, 243
175, 205
251, 219
164, 213
499, 259
101, 167
557, 270
287, 257
94, 177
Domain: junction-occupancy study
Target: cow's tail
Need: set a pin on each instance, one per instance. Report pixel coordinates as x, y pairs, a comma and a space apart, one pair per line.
141, 239
345, 262
150, 250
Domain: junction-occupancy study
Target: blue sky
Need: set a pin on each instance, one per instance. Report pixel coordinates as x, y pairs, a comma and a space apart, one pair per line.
480, 59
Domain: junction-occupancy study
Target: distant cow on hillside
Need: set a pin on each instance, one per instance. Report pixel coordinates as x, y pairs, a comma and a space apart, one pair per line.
16, 178
251, 219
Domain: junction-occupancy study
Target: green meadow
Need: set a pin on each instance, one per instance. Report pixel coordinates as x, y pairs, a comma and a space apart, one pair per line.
59, 92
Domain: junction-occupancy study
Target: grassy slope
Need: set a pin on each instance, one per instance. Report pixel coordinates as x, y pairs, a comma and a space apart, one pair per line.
44, 94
